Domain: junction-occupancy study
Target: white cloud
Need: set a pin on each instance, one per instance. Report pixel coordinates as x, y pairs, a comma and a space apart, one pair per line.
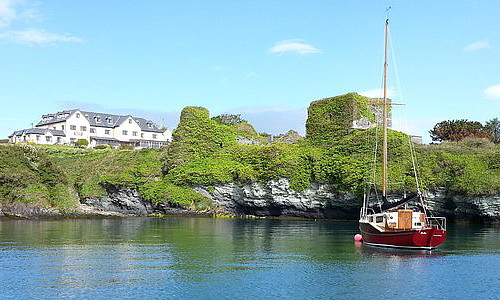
479, 45
15, 10
37, 37
378, 93
293, 46
8, 12
493, 92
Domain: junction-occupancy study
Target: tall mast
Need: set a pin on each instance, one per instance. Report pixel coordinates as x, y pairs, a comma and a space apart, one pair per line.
384, 116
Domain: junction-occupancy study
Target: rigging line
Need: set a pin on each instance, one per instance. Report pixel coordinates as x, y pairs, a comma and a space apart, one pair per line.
396, 73
413, 161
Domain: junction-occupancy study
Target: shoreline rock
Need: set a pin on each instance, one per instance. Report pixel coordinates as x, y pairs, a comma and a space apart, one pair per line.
272, 199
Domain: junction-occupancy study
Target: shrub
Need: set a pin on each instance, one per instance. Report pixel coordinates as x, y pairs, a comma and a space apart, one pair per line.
82, 143
101, 146
125, 147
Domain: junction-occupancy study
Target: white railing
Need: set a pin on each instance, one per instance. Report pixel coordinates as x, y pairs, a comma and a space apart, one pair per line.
436, 222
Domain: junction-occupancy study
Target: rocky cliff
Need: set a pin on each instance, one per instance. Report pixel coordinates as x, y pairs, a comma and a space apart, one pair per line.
276, 198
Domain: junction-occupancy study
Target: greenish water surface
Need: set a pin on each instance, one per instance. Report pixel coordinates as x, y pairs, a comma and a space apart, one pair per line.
204, 258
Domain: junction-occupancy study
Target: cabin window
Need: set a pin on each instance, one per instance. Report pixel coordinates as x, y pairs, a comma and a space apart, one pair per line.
418, 224
72, 127
379, 219
370, 219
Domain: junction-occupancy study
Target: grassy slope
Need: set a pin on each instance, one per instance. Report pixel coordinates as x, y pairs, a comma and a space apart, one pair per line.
205, 152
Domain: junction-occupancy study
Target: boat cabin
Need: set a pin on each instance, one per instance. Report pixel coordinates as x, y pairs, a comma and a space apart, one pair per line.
394, 220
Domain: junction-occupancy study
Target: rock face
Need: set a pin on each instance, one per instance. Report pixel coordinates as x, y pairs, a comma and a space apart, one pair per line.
479, 208
121, 200
276, 198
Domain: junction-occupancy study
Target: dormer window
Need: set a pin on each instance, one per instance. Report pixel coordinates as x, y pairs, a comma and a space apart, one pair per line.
97, 119
150, 125
110, 120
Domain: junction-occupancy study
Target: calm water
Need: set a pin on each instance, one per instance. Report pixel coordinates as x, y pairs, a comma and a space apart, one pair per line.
202, 258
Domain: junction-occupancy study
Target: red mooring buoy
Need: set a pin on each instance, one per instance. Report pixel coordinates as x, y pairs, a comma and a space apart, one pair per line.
358, 237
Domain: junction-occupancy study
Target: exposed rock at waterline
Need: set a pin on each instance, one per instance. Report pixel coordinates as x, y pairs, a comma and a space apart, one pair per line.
276, 198
121, 200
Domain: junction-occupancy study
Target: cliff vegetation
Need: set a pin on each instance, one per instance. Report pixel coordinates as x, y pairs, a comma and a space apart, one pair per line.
205, 151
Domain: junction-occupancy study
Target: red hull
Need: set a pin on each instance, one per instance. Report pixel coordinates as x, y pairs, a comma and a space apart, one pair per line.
412, 239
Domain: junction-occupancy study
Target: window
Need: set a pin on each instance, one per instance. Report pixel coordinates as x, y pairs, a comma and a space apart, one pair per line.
62, 127
97, 119
106, 131
110, 120
72, 127
130, 121
59, 139
134, 133
73, 140
37, 137
142, 135
92, 130
54, 128
370, 219
379, 219
154, 136
77, 115
48, 138
83, 128
124, 132
150, 125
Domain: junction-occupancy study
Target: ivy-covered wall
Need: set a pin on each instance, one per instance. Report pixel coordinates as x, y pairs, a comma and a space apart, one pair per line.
330, 119
196, 136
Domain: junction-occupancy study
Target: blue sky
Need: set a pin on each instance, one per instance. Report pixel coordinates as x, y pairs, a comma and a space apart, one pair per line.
266, 60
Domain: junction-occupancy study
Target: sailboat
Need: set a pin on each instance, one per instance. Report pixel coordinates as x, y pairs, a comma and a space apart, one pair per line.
396, 224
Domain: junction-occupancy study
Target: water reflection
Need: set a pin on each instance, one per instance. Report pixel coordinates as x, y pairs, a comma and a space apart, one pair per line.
196, 256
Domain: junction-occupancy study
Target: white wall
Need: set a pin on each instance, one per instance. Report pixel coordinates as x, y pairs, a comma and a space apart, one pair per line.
129, 125
78, 122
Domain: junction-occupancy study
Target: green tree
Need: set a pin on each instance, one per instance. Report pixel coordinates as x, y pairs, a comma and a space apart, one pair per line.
493, 127
456, 130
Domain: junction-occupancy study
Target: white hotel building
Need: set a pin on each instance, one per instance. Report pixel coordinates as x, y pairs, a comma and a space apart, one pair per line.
66, 127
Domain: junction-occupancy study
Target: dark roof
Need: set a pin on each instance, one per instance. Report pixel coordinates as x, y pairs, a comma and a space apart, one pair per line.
147, 125
56, 118
39, 131
99, 120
